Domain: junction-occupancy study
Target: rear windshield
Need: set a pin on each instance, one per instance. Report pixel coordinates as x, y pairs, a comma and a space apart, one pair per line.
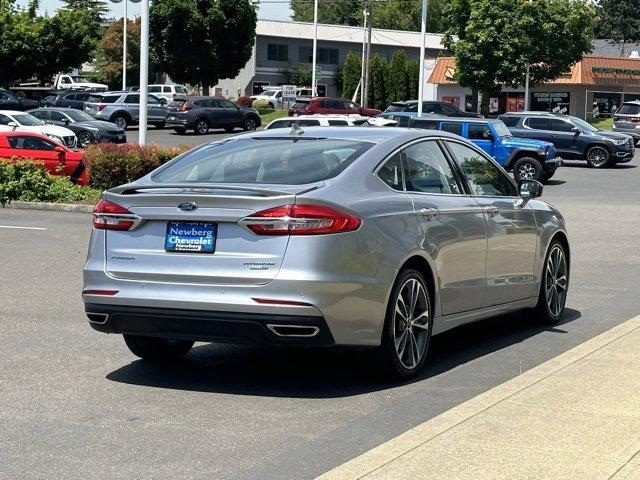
285, 161
396, 108
629, 110
509, 120
101, 99
180, 89
301, 104
177, 103
289, 122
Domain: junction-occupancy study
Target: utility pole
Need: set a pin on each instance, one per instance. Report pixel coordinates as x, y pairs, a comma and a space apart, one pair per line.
365, 89
364, 54
314, 89
423, 36
144, 71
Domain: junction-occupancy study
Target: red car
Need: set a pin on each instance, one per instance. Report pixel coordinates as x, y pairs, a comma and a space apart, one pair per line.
41, 148
330, 106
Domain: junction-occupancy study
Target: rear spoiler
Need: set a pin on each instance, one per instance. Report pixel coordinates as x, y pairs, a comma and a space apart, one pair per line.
208, 187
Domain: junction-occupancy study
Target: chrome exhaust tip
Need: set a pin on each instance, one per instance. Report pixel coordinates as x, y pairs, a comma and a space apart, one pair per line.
294, 330
98, 318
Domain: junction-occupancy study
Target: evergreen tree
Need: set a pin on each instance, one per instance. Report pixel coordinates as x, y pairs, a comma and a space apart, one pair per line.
412, 78
378, 72
397, 84
351, 71
619, 20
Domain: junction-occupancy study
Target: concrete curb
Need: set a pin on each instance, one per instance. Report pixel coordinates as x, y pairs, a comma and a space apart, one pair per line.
53, 207
376, 458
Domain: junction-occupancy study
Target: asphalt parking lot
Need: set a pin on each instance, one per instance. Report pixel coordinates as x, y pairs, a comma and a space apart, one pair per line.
166, 136
76, 404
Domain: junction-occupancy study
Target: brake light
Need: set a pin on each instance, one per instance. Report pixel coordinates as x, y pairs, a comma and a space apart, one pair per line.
304, 219
173, 96
635, 119
101, 106
110, 216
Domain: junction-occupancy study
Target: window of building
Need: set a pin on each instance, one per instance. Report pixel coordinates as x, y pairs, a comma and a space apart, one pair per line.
258, 87
278, 52
328, 56
306, 54
550, 102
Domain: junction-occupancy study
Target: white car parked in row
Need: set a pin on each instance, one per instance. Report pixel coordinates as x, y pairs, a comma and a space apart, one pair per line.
329, 121
13, 120
170, 92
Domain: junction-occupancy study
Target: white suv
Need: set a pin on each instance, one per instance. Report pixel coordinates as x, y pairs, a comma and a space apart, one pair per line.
170, 92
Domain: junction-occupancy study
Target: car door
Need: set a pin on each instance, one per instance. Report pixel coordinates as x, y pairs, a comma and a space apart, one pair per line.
4, 123
79, 100
214, 111
450, 110
26, 146
231, 114
512, 238
157, 110
482, 136
57, 118
132, 106
538, 128
564, 138
9, 101
453, 226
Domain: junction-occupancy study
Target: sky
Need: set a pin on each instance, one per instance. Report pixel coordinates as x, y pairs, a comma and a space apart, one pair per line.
269, 9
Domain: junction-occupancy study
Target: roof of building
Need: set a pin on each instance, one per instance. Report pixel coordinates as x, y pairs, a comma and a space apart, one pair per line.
591, 70
347, 34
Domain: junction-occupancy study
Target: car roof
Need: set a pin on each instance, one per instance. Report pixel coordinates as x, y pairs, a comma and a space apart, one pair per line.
442, 118
370, 134
11, 112
53, 109
29, 133
632, 102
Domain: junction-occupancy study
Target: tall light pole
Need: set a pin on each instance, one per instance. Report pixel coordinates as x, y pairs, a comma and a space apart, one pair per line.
526, 89
314, 90
423, 37
144, 71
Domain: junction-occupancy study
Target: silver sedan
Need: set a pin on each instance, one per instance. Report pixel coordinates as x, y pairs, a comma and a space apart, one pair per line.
357, 236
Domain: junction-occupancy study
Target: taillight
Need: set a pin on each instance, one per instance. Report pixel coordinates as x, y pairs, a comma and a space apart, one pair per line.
101, 106
635, 119
304, 219
174, 96
111, 216
186, 106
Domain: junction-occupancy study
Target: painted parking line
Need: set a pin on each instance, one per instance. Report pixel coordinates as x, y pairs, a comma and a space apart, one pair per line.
22, 228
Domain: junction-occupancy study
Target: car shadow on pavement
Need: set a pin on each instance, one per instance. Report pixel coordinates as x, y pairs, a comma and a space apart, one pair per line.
322, 373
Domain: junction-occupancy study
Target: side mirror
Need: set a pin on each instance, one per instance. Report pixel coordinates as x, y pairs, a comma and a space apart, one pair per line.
163, 101
60, 149
14, 125
576, 130
489, 136
66, 121
528, 189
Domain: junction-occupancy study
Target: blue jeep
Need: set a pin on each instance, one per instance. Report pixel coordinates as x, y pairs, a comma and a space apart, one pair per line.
528, 159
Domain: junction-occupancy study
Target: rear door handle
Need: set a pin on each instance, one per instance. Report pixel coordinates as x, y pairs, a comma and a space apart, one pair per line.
492, 211
429, 213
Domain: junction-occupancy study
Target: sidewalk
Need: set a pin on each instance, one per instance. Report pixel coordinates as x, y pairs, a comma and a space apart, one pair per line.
576, 416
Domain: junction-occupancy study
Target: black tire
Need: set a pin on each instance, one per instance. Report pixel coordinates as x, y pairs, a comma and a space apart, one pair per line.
527, 168
121, 121
85, 139
180, 130
201, 126
229, 129
546, 312
598, 156
396, 361
159, 124
249, 124
157, 349
546, 176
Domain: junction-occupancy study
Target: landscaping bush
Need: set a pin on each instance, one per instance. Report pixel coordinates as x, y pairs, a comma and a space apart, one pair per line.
112, 165
29, 181
244, 101
260, 104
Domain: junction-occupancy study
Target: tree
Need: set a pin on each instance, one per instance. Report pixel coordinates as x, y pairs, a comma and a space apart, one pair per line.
201, 41
493, 40
300, 75
390, 14
378, 71
397, 81
33, 46
619, 21
412, 78
351, 71
108, 60
98, 9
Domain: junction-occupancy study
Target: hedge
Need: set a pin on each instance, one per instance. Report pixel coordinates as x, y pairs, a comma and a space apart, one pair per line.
29, 181
112, 165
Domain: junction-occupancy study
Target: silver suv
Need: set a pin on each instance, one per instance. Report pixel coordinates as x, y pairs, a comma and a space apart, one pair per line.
627, 119
123, 108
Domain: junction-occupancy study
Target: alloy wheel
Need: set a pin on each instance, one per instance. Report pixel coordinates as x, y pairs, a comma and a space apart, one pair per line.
202, 127
84, 139
556, 281
527, 171
598, 156
411, 323
250, 124
121, 122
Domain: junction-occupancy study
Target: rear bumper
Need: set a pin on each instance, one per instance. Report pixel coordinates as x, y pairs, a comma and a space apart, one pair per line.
208, 326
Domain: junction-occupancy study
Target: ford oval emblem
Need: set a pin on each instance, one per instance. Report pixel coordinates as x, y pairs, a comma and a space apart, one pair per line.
188, 206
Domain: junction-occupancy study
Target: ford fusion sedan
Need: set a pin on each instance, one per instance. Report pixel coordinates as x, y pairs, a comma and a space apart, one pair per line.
12, 120
355, 236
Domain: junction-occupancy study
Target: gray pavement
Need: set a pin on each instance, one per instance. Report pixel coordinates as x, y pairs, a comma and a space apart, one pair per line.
77, 404
168, 137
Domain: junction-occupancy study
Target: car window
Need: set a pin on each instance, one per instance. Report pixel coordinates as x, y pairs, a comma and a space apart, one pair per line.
427, 169
4, 120
226, 104
132, 99
391, 172
449, 110
403, 120
151, 99
412, 108
70, 96
558, 125
426, 124
452, 127
300, 105
537, 123
478, 131
41, 114
58, 117
166, 89
629, 109
509, 120
485, 178
430, 108
30, 143
154, 88
335, 123
181, 89
211, 103
82, 96
396, 107
284, 161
